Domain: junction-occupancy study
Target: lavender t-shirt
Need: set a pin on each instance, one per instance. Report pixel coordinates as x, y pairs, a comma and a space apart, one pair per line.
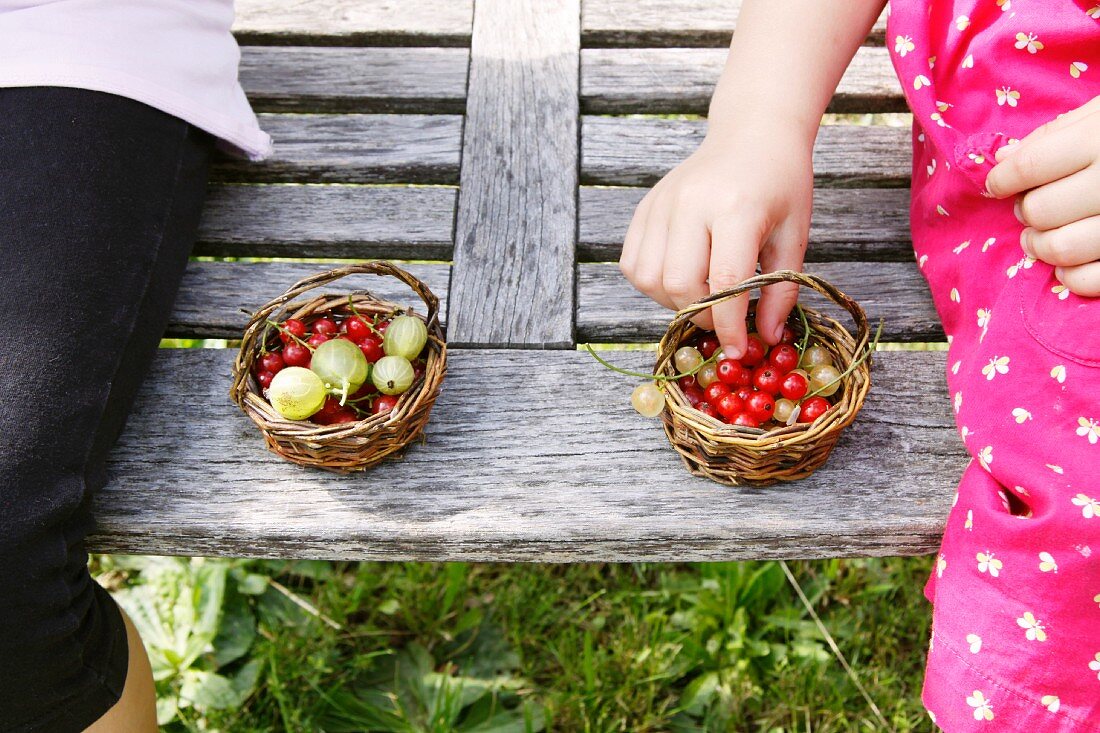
176, 55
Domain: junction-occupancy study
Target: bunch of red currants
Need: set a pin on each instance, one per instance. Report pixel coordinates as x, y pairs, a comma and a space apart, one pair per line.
337, 369
764, 388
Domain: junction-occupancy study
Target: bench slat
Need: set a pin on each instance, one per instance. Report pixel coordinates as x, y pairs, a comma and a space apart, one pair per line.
670, 23
212, 293
574, 476
869, 224
612, 311
513, 278
354, 22
678, 80
354, 148
637, 152
282, 79
328, 221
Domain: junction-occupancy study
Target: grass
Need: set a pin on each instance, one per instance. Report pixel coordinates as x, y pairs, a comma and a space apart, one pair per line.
318, 646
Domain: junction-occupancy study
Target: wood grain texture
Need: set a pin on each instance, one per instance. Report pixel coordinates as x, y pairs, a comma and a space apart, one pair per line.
414, 223
212, 293
679, 80
354, 22
670, 23
297, 79
870, 224
610, 310
575, 476
352, 148
633, 151
513, 277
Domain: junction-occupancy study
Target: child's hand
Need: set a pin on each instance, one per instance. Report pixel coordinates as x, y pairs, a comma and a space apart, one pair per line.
739, 198
1057, 169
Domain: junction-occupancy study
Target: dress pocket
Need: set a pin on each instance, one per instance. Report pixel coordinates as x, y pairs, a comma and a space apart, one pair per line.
1064, 323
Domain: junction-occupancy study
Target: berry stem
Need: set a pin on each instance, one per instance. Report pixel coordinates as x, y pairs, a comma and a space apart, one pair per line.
805, 330
288, 333
870, 348
644, 375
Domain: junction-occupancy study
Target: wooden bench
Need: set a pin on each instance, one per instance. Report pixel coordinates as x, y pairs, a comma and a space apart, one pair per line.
518, 124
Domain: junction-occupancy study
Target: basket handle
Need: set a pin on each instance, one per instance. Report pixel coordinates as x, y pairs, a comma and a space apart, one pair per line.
830, 291
377, 267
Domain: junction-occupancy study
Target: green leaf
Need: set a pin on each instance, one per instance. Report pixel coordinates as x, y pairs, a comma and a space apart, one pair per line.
208, 690
237, 629
251, 584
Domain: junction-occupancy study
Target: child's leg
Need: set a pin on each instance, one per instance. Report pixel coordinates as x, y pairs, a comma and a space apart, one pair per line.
98, 212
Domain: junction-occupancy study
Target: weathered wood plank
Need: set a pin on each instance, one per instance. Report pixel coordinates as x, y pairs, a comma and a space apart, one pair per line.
574, 476
678, 80
297, 79
513, 277
610, 310
633, 151
353, 148
412, 223
212, 293
869, 224
670, 23
354, 22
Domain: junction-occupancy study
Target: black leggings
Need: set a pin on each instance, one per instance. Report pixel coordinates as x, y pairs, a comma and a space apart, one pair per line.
99, 203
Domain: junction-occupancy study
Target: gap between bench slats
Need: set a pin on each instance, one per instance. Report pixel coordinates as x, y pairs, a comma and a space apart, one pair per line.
552, 467
354, 22
638, 151
678, 80
670, 23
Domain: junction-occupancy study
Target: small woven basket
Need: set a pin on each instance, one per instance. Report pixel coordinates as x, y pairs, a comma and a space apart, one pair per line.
346, 447
742, 456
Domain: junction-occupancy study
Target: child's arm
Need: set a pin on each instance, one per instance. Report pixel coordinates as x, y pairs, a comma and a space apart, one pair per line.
746, 193
1058, 166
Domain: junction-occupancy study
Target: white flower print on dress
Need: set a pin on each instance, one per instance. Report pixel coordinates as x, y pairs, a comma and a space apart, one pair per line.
1025, 263
958, 401
969, 523
1058, 374
1094, 12
1056, 469
997, 365
968, 62
962, 22
941, 565
983, 706
1050, 702
983, 317
1004, 5
975, 643
941, 211
1030, 41
1046, 563
1096, 599
1090, 508
989, 564
1021, 415
920, 80
1089, 429
985, 457
1077, 68
988, 243
1033, 627
961, 247
1007, 95
955, 367
1095, 665
903, 45
1061, 291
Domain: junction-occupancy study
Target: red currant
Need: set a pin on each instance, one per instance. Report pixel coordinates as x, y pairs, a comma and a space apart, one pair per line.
813, 408
372, 349
272, 362
707, 409
783, 357
295, 327
328, 411
383, 404
708, 344
264, 378
296, 355
357, 328
789, 336
794, 386
767, 379
366, 390
694, 396
381, 326
746, 420
686, 382
326, 326
729, 406
754, 352
418, 369
729, 372
760, 405
714, 392
344, 416
317, 339
743, 393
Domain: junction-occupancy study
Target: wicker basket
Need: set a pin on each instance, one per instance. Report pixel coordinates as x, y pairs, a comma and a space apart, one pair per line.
741, 456
349, 446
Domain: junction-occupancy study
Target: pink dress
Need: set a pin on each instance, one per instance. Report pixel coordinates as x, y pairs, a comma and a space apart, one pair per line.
1016, 587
